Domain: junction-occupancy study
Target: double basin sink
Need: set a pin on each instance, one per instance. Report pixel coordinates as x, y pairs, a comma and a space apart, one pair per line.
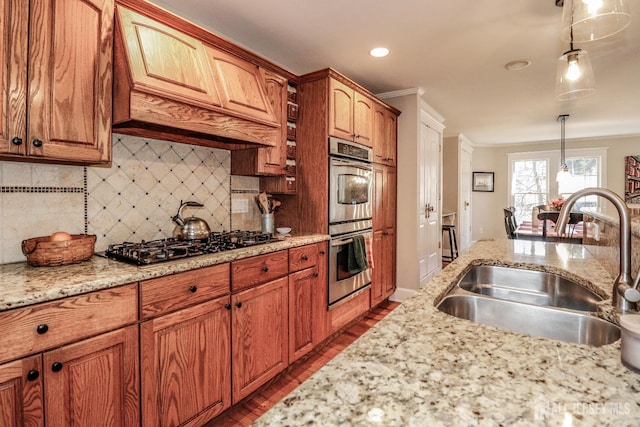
531, 302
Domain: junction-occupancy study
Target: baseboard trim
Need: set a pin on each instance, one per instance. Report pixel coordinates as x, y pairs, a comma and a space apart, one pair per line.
402, 294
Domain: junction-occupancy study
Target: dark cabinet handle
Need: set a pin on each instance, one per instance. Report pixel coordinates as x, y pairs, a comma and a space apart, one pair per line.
56, 366
37, 143
265, 268
227, 306
16, 140
42, 329
33, 375
238, 304
315, 274
322, 252
193, 288
305, 258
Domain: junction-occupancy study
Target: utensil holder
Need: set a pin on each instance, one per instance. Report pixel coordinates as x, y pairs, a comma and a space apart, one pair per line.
267, 223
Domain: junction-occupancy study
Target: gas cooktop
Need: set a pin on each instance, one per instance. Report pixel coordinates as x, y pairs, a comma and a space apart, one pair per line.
155, 251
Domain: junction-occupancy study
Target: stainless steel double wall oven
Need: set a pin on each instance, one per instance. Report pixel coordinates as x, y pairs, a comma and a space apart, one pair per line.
350, 213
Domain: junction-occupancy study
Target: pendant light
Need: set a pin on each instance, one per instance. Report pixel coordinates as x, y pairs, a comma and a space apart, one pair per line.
589, 20
574, 78
563, 173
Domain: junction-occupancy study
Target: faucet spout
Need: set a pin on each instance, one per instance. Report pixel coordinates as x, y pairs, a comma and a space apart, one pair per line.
625, 292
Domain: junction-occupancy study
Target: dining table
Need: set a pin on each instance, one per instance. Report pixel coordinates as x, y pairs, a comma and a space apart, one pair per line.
544, 216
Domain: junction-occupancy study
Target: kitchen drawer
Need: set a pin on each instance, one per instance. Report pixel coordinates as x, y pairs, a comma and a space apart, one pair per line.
302, 257
38, 327
169, 293
259, 269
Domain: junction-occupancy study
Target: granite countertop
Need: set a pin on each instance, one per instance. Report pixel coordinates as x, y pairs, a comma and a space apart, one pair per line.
24, 285
421, 367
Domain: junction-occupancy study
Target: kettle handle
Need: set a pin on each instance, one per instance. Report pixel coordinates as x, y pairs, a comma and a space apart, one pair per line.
177, 218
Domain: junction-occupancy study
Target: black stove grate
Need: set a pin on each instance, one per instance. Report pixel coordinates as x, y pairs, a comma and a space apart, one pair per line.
156, 251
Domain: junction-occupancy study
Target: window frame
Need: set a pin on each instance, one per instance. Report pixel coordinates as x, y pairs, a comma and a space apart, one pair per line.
553, 166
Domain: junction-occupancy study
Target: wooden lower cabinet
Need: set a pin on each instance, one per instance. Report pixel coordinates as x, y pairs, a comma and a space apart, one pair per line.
383, 282
186, 365
21, 395
308, 302
259, 335
93, 382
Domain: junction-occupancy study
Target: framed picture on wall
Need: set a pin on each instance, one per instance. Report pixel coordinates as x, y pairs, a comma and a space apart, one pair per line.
483, 181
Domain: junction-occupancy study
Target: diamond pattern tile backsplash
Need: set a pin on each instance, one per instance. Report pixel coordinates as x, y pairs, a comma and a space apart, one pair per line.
132, 200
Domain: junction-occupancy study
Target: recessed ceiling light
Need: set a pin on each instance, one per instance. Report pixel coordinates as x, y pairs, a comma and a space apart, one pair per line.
379, 52
518, 64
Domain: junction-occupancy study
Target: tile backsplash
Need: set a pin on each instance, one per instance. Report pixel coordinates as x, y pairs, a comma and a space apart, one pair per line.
132, 200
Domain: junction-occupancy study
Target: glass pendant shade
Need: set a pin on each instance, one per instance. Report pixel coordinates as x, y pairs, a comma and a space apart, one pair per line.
574, 78
588, 20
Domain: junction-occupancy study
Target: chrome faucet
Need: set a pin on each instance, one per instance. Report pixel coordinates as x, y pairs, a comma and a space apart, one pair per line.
625, 292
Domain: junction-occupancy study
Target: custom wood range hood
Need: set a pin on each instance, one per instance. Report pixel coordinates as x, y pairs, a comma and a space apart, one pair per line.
176, 81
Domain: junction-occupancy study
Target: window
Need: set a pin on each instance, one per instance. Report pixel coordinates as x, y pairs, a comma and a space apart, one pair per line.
533, 178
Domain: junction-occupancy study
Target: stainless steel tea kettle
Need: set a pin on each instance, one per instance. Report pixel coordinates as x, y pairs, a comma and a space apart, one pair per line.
192, 228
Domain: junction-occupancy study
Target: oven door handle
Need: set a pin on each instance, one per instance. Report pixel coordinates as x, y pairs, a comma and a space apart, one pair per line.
341, 242
343, 163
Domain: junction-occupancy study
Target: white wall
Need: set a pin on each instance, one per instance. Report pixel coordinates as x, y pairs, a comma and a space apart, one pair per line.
487, 207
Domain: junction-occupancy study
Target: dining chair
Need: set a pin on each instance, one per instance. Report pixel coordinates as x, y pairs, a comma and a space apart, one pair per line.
510, 224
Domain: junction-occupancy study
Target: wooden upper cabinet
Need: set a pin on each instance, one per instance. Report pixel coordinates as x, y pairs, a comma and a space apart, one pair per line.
385, 136
267, 161
14, 18
350, 114
340, 110
66, 52
241, 86
166, 61
363, 119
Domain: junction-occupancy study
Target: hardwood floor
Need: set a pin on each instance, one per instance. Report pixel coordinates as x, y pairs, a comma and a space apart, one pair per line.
251, 408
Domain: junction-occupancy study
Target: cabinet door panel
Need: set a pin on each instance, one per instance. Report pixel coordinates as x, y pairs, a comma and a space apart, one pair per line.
363, 119
186, 365
97, 383
14, 18
167, 61
260, 331
240, 86
20, 397
70, 79
273, 159
340, 110
302, 290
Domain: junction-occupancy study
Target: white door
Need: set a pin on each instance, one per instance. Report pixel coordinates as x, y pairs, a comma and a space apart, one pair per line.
429, 232
464, 197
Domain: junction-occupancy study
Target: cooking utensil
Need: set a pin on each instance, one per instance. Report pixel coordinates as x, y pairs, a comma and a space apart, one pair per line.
192, 228
275, 205
263, 202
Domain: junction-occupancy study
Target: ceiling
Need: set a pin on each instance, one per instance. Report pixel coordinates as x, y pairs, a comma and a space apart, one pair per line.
454, 50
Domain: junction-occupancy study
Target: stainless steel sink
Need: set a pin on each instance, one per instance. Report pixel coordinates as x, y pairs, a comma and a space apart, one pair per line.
546, 322
528, 286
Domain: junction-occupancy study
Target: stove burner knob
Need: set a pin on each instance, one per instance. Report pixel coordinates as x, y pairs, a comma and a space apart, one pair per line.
193, 288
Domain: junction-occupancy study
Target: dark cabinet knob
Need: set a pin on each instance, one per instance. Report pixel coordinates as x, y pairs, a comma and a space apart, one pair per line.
33, 375
322, 252
315, 274
56, 366
42, 329
37, 143
265, 268
305, 258
193, 288
227, 306
238, 304
16, 140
